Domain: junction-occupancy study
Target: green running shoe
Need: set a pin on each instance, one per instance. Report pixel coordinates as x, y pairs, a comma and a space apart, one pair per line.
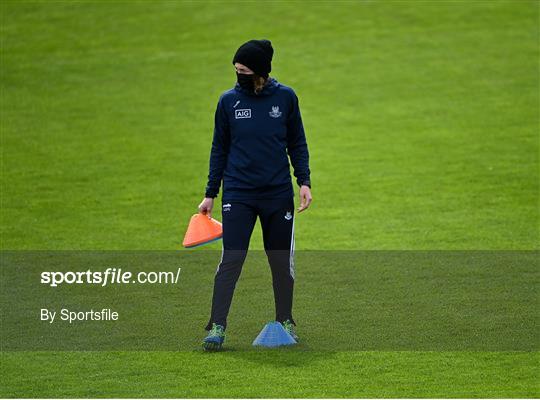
289, 327
215, 338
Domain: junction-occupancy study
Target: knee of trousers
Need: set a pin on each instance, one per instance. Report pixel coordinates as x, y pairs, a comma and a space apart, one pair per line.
230, 267
232, 260
280, 260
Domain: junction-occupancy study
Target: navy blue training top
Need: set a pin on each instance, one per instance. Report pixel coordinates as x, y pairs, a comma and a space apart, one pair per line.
253, 134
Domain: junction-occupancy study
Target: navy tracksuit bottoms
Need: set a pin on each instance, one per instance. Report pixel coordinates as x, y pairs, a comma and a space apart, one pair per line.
277, 223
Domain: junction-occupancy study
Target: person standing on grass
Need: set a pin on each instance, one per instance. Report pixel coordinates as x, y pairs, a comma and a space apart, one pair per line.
257, 129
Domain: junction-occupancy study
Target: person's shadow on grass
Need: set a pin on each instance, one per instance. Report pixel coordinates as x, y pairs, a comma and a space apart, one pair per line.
298, 355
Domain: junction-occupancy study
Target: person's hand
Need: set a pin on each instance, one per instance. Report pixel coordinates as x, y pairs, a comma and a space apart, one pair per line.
206, 206
305, 198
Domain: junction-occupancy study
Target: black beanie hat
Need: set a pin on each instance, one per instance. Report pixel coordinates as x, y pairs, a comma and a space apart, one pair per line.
256, 55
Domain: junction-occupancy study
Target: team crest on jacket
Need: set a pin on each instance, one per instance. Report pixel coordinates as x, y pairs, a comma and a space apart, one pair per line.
275, 113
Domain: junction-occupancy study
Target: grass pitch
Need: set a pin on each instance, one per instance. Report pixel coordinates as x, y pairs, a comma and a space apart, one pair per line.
422, 122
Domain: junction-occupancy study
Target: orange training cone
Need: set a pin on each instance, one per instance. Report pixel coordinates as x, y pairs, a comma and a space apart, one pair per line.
202, 229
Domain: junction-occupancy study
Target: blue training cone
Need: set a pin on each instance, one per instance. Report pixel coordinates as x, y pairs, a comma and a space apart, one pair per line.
273, 335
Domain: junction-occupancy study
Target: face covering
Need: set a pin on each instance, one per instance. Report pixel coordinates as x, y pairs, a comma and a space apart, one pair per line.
245, 81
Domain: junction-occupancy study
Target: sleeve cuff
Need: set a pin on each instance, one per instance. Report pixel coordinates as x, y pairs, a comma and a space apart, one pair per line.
304, 182
210, 193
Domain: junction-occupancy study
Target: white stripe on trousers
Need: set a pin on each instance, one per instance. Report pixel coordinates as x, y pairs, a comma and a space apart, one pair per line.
221, 260
291, 253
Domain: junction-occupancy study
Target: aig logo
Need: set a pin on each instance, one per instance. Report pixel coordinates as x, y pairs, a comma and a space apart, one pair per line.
242, 113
